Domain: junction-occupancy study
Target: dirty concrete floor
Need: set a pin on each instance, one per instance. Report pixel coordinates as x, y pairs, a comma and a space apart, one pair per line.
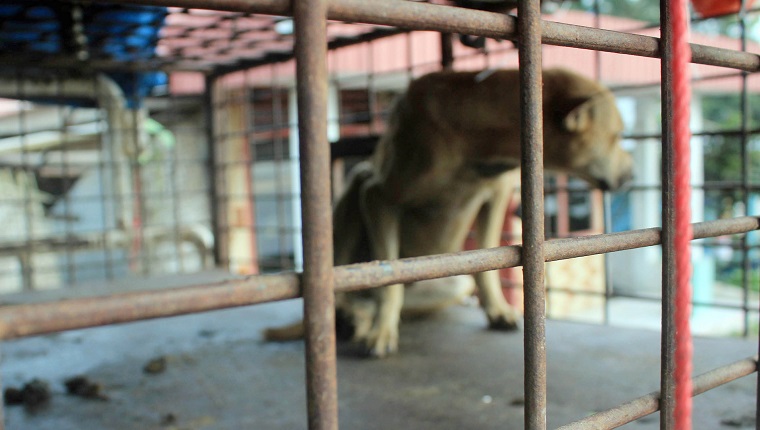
451, 374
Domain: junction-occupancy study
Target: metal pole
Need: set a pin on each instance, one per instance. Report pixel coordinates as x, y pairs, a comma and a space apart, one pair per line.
211, 169
2, 410
667, 363
447, 51
532, 164
647, 404
21, 320
311, 78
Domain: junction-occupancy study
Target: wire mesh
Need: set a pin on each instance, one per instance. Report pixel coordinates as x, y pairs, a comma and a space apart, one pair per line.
158, 211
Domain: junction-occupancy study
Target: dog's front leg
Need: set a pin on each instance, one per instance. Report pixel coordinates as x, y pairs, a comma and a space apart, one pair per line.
489, 223
382, 222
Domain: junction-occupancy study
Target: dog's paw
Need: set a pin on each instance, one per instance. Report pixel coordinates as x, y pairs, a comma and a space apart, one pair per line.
503, 324
362, 328
382, 341
504, 320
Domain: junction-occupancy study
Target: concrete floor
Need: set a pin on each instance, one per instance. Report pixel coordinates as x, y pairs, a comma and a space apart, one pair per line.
451, 374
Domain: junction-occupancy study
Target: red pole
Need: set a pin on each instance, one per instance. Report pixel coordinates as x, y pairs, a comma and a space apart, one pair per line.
682, 181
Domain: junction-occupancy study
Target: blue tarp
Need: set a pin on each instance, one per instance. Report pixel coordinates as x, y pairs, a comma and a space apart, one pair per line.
112, 32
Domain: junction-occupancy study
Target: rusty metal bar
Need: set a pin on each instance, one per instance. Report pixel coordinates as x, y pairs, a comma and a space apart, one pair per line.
648, 404
406, 14
364, 275
213, 158
2, 411
668, 332
319, 315
40, 318
48, 317
532, 179
447, 51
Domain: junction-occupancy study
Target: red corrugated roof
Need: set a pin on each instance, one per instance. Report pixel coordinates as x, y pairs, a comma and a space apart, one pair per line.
419, 52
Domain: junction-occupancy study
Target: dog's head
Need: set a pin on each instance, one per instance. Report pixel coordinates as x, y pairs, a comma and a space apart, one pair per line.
589, 143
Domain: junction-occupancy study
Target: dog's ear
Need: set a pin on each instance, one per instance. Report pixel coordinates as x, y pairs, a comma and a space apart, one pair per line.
579, 118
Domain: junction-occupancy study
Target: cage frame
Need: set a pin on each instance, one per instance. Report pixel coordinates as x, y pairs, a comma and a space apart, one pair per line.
319, 278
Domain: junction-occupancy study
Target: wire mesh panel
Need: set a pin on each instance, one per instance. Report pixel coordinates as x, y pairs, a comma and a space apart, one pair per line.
99, 190
102, 182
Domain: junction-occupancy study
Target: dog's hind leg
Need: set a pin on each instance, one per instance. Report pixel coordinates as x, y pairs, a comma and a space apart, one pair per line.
489, 223
382, 225
349, 247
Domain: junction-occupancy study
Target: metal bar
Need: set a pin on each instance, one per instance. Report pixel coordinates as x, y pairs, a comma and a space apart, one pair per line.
2, 407
71, 271
27, 272
319, 315
746, 166
608, 290
447, 51
668, 332
406, 14
649, 298
40, 318
48, 317
648, 404
532, 189
211, 167
364, 275
744, 135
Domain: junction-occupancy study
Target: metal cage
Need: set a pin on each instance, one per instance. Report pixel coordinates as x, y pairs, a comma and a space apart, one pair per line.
319, 279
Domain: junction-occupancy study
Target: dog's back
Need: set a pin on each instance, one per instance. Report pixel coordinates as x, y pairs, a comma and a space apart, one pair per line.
446, 119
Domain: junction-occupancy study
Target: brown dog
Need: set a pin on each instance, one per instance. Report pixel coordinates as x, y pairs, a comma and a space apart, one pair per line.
440, 167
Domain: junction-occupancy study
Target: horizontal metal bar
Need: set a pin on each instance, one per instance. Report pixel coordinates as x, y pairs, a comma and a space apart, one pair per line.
425, 16
41, 318
363, 275
648, 404
652, 298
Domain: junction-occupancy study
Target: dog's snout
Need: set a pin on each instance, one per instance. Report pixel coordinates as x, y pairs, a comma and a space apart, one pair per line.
620, 182
626, 179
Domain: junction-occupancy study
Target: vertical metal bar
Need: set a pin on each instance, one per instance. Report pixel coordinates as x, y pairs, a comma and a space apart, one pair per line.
213, 168
447, 51
745, 184
532, 176
139, 200
71, 268
27, 268
247, 165
745, 172
2, 406
175, 194
607, 199
105, 176
607, 196
311, 73
409, 54
285, 227
667, 360
374, 114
